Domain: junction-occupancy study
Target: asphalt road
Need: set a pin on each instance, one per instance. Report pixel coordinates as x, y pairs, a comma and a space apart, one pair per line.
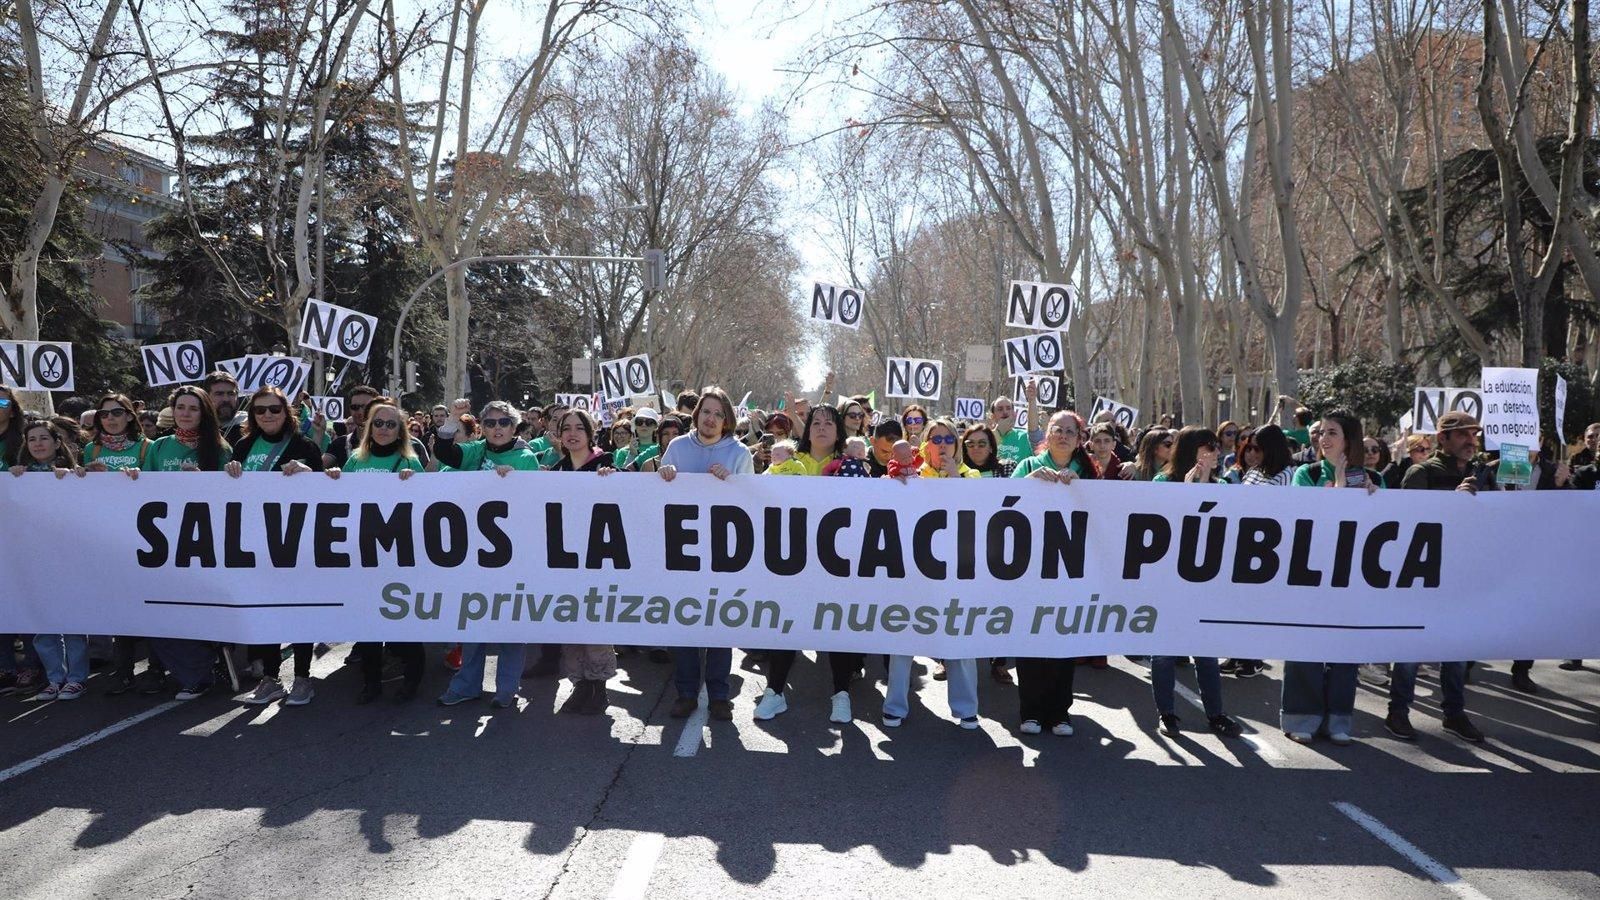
139, 797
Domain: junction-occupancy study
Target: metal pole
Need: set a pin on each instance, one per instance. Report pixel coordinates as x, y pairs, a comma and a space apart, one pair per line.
405, 309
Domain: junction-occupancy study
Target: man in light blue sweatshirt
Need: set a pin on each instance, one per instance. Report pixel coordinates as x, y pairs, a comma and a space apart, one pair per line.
712, 449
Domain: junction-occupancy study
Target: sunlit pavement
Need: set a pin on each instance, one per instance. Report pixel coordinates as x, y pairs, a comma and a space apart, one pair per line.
138, 797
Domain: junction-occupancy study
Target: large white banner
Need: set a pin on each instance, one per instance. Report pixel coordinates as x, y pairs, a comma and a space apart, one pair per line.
958, 568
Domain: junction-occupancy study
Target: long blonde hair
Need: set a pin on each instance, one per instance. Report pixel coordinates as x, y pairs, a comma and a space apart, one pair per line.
364, 451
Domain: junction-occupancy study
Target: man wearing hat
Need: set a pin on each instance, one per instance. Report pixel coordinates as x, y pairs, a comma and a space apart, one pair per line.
1450, 468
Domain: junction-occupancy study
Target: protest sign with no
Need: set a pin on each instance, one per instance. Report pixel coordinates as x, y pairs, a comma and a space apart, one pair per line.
1049, 388
1039, 306
1432, 402
331, 407
916, 379
36, 365
837, 304
287, 373
1121, 413
337, 330
970, 408
626, 377
1034, 353
180, 362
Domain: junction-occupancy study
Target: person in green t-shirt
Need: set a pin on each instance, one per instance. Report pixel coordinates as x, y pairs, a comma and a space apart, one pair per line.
1015, 444
196, 443
499, 450
119, 443
384, 445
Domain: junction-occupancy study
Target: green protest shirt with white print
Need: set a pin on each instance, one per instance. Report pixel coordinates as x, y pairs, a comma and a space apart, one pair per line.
476, 456
623, 457
394, 462
168, 454
128, 457
262, 450
1014, 446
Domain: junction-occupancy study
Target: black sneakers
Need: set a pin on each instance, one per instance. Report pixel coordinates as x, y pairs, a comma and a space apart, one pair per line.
1462, 727
1523, 682
1399, 724
1224, 726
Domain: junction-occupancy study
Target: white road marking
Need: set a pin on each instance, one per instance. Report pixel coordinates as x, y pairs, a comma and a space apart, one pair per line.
1434, 869
694, 729
26, 766
633, 882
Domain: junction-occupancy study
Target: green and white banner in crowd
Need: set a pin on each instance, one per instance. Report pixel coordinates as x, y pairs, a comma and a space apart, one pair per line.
959, 568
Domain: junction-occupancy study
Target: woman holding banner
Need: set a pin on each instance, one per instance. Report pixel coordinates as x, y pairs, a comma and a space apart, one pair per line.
195, 445
1321, 697
271, 442
117, 443
1044, 685
383, 446
1195, 458
821, 442
587, 666
500, 451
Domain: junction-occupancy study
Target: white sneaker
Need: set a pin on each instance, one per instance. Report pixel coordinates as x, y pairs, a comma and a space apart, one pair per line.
891, 721
1299, 737
1061, 729
841, 708
1030, 727
970, 723
301, 693
1339, 738
72, 690
771, 704
267, 690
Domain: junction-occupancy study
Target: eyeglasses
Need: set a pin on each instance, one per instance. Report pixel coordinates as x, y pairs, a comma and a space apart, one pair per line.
502, 422
116, 412
914, 420
855, 415
5, 402
1064, 432
626, 432
1373, 449
385, 424
1230, 433
978, 443
1166, 443
646, 426
942, 439
359, 407
275, 409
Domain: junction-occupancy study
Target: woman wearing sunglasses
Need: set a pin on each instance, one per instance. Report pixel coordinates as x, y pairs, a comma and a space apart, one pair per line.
10, 426
980, 452
641, 450
271, 442
1044, 684
857, 420
941, 459
914, 418
383, 447
499, 449
1155, 449
117, 443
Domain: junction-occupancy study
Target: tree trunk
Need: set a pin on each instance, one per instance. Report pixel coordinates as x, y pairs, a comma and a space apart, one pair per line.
459, 308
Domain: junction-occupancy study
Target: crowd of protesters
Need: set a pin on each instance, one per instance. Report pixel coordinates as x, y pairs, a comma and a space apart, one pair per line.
213, 427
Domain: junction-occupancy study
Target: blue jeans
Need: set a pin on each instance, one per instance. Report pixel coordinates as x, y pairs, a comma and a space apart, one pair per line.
1452, 685
1318, 693
8, 656
1207, 674
65, 657
686, 671
962, 683
507, 674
